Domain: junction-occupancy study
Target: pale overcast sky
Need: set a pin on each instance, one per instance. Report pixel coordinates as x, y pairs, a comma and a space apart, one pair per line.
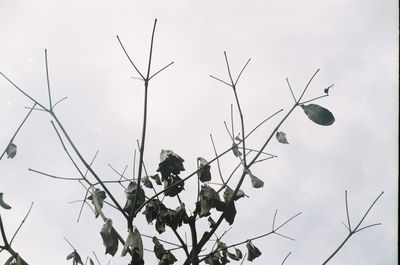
354, 43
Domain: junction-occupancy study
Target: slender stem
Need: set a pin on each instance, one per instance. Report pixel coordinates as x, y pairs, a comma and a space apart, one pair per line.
287, 256
216, 154
18, 129
129, 58
159, 71
22, 222
244, 67
291, 90
347, 211
88, 166
52, 176
48, 79
308, 84
23, 92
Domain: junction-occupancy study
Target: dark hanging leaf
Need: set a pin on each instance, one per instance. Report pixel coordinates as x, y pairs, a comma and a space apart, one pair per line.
3, 204
235, 256
228, 193
156, 178
11, 150
252, 251
159, 249
235, 150
167, 259
76, 259
318, 114
230, 213
174, 186
213, 260
146, 182
160, 226
281, 137
134, 243
203, 170
255, 182
130, 197
209, 199
170, 163
181, 214
153, 209
91, 261
100, 196
110, 238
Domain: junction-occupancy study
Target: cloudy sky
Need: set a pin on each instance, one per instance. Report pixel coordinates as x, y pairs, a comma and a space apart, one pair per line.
353, 43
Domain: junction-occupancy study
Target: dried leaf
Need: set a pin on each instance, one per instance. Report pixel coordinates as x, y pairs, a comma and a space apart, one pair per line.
252, 251
91, 261
156, 178
110, 238
167, 259
170, 164
230, 213
146, 182
153, 209
203, 170
235, 150
326, 90
130, 193
159, 249
209, 199
318, 114
76, 259
3, 204
255, 182
236, 256
228, 193
100, 196
11, 150
177, 186
134, 243
281, 137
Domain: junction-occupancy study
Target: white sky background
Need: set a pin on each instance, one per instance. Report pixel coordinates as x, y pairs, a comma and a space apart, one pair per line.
354, 43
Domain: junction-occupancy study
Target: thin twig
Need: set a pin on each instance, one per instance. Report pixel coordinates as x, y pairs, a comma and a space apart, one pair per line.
18, 129
291, 90
48, 79
287, 256
22, 222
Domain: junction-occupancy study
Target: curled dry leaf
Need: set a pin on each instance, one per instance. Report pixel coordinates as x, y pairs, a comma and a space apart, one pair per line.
235, 150
170, 164
281, 137
147, 183
11, 150
255, 181
157, 179
209, 199
165, 257
110, 238
203, 170
3, 204
76, 258
135, 245
228, 193
252, 251
100, 197
235, 256
318, 114
130, 193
